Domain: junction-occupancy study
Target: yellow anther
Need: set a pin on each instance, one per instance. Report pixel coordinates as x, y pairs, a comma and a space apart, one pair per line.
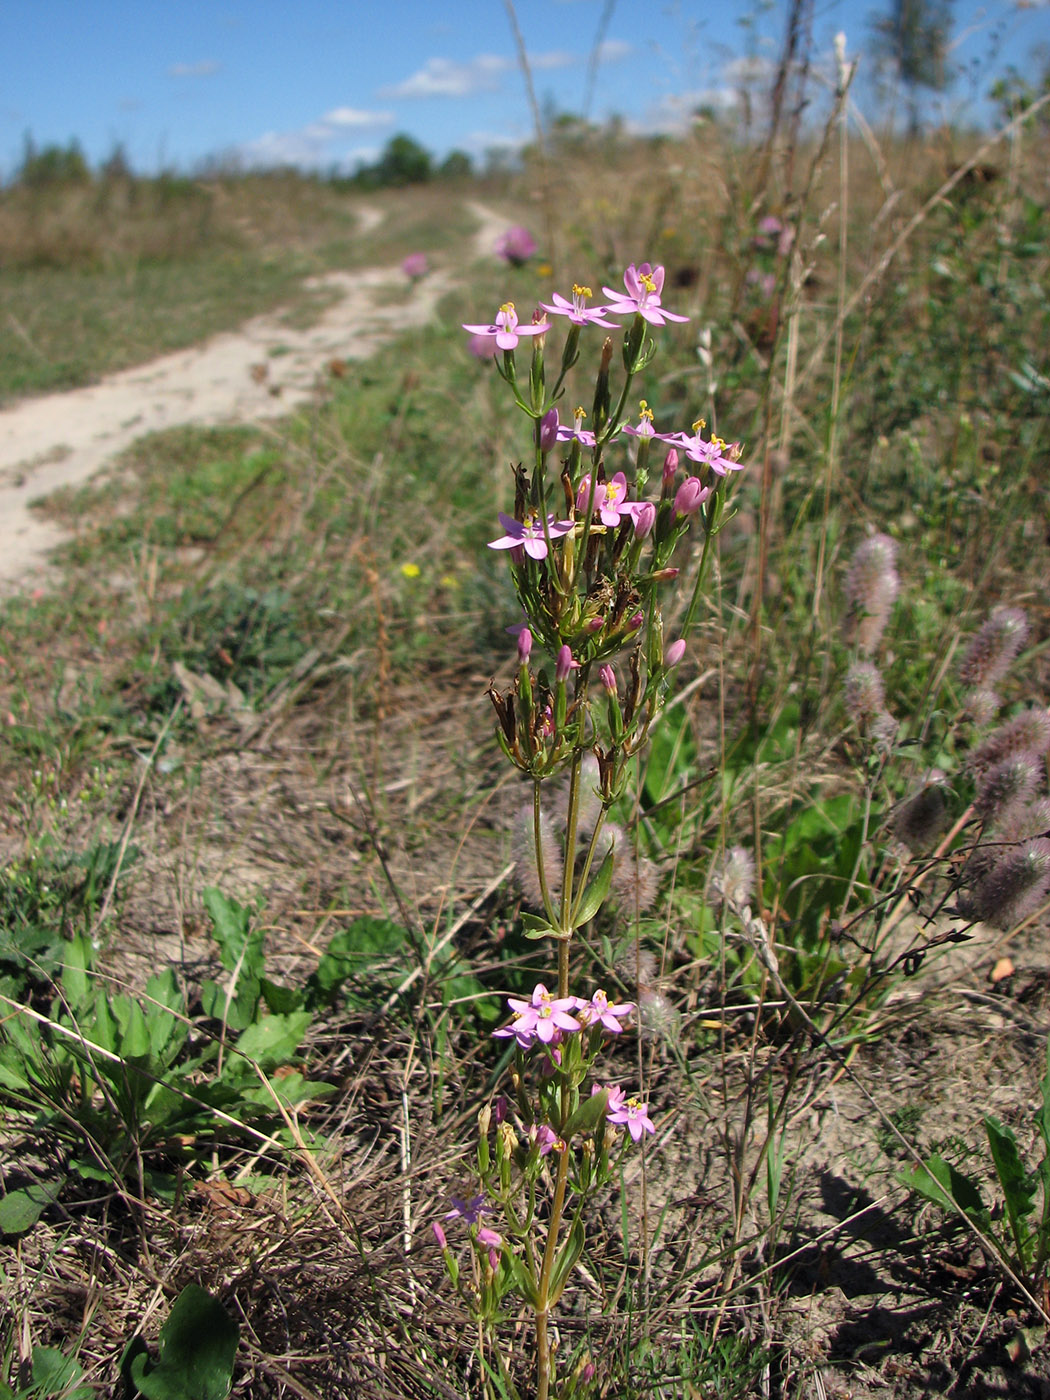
647, 281
699, 425
644, 411
580, 415
507, 306
579, 291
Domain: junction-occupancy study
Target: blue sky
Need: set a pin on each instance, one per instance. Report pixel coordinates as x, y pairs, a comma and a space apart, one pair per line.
328, 82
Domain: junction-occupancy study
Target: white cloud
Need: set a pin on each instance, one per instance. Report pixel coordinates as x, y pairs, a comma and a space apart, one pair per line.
444, 77
558, 58
320, 142
614, 50
355, 116
204, 69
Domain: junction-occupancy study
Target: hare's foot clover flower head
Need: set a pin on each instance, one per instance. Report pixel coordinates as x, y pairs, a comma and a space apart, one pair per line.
644, 285
507, 329
528, 534
577, 310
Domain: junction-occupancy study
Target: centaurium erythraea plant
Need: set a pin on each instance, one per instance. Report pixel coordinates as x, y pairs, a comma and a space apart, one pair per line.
590, 549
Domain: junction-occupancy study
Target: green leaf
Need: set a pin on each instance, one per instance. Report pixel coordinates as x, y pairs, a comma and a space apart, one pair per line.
164, 1007
587, 1116
237, 1012
594, 897
566, 1261
1018, 1186
135, 1038
78, 958
353, 951
939, 1181
21, 1209
1043, 1117
198, 1346
273, 1040
54, 1374
240, 947
535, 926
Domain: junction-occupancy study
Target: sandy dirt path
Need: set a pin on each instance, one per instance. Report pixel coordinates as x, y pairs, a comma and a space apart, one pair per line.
260, 371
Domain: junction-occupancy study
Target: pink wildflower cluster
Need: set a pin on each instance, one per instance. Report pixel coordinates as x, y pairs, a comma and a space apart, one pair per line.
547, 1019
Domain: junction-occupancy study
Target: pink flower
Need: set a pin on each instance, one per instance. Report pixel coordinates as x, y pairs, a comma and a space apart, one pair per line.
607, 676
528, 534
577, 431
492, 1238
547, 1140
717, 454
543, 1018
577, 309
516, 246
610, 499
645, 427
644, 285
674, 653
634, 1114
415, 266
470, 1211
507, 329
600, 1011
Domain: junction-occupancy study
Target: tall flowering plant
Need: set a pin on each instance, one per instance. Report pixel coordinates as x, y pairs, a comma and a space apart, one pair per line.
590, 544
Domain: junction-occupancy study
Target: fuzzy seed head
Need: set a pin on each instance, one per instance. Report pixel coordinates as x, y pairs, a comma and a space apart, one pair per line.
1028, 732
733, 879
1013, 888
921, 818
1023, 820
983, 704
991, 651
1011, 780
863, 694
872, 585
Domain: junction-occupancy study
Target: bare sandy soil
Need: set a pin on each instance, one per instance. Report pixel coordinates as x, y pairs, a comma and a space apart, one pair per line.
262, 370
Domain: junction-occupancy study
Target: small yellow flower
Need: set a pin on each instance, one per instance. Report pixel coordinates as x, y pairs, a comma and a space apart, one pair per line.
410, 570
545, 270
449, 581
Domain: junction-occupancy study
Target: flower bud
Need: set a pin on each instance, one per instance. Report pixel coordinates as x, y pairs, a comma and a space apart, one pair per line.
596, 624
439, 1235
690, 496
674, 653
670, 466
548, 430
564, 664
607, 676
633, 623
644, 519
524, 645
